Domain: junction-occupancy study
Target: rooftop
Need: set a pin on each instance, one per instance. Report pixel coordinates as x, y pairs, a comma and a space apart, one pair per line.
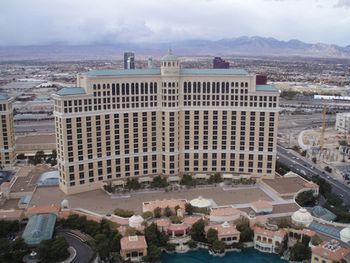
68, 91
270, 88
133, 243
45, 209
39, 228
11, 214
224, 229
37, 139
331, 250
156, 71
224, 211
288, 185
4, 97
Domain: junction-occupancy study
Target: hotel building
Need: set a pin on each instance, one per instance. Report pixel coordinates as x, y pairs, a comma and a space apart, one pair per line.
7, 134
167, 121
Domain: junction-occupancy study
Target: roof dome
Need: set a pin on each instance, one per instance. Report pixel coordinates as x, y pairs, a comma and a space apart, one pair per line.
200, 202
169, 57
135, 221
302, 217
345, 235
65, 203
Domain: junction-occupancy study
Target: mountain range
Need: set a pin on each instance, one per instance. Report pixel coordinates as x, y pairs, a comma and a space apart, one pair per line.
244, 46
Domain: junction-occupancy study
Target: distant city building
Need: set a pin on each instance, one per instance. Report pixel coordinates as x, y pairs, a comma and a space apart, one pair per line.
342, 122
150, 63
120, 124
129, 60
220, 63
261, 79
7, 133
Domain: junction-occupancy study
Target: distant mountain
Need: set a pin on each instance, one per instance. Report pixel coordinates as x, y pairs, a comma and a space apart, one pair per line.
247, 46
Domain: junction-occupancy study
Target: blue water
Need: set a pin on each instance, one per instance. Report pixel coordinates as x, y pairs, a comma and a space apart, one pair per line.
202, 256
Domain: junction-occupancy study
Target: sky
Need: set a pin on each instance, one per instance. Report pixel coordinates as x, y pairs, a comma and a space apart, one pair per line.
84, 22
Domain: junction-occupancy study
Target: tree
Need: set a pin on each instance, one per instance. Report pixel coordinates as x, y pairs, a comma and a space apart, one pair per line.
218, 246
189, 209
159, 182
59, 249
50, 251
154, 236
157, 212
300, 252
132, 184
21, 156
306, 198
38, 157
212, 235
316, 240
175, 219
188, 180
168, 212
314, 160
215, 178
102, 246
170, 247
247, 234
192, 244
153, 254
197, 231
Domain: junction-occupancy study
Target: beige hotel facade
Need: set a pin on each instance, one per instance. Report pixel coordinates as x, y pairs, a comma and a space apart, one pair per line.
7, 134
167, 121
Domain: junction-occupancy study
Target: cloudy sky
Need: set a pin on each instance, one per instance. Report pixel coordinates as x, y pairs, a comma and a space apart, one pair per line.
41, 22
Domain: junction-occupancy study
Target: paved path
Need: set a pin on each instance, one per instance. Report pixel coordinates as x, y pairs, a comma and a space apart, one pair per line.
84, 252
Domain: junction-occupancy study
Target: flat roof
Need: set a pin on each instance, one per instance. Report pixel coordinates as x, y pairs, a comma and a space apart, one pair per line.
156, 71
270, 88
4, 97
123, 72
287, 185
37, 139
67, 91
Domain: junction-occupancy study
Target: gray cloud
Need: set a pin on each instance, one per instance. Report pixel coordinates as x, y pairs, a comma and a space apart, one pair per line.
343, 3
39, 22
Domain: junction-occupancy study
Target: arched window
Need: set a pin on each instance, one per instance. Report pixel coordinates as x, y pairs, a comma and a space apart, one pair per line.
169, 64
246, 84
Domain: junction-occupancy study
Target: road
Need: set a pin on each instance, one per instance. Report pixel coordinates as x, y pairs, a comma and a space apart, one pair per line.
84, 252
299, 164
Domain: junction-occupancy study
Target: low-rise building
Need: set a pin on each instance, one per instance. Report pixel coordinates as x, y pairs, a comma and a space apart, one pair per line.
268, 241
262, 207
227, 233
224, 213
329, 252
133, 248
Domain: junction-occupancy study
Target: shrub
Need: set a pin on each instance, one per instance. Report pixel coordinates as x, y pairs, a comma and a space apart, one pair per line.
123, 213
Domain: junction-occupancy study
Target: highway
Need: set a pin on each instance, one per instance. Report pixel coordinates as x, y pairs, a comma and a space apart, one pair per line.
303, 166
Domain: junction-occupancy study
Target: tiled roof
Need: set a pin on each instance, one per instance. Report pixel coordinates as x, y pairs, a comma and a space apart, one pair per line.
133, 243
45, 209
330, 252
224, 211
